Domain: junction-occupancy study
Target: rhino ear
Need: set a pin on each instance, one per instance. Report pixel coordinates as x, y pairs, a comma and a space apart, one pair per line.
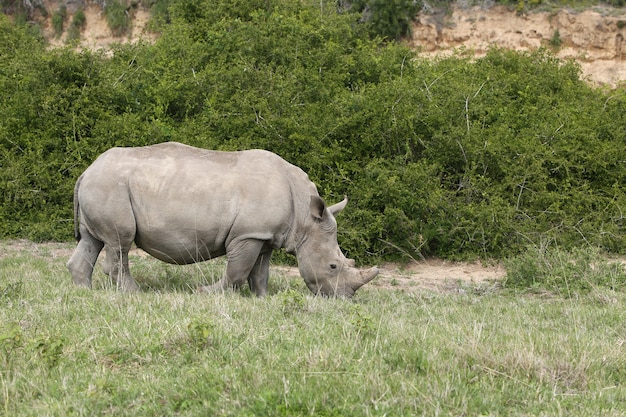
317, 207
336, 208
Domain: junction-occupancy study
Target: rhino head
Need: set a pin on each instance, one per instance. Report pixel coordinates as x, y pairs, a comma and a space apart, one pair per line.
324, 268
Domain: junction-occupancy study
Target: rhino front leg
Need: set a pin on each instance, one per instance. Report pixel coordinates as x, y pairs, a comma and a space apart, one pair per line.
260, 274
242, 258
119, 270
84, 258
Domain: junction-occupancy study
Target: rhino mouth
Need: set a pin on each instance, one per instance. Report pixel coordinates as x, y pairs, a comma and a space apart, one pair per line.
345, 288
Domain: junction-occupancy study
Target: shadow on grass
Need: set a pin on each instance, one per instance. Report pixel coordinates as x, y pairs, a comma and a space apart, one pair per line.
153, 275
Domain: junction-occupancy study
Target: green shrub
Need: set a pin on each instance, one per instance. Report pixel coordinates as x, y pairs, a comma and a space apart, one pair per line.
58, 20
564, 272
159, 13
556, 40
77, 25
389, 19
117, 17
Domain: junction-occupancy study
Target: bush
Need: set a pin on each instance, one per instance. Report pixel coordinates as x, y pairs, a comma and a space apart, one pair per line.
117, 17
58, 20
78, 24
389, 19
567, 273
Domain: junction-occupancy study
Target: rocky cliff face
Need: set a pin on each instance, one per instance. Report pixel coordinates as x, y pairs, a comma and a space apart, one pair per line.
96, 34
594, 38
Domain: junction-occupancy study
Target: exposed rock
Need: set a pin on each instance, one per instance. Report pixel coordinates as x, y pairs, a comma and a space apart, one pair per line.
97, 34
595, 38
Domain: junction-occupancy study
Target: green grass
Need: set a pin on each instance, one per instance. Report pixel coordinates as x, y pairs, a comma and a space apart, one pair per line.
169, 351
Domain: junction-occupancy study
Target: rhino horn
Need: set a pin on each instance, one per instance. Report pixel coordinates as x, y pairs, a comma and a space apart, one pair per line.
363, 278
336, 208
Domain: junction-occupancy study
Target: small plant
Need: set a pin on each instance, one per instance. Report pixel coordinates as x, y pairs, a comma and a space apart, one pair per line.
200, 333
525, 5
77, 25
361, 320
292, 300
10, 337
117, 17
58, 20
79, 19
10, 341
50, 349
556, 40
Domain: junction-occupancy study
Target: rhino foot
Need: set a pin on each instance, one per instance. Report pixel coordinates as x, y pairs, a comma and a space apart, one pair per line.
128, 286
219, 287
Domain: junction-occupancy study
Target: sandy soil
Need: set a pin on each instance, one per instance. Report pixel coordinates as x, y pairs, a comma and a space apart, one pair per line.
438, 275
431, 274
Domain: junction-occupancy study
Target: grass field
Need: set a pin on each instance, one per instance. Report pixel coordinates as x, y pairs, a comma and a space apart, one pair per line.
166, 350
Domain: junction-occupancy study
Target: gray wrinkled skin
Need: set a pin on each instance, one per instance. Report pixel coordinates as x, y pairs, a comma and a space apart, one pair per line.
184, 205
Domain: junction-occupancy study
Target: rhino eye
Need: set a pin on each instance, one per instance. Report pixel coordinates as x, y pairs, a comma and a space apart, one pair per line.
333, 266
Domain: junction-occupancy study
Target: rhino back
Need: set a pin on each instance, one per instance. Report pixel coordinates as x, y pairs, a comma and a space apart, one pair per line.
189, 204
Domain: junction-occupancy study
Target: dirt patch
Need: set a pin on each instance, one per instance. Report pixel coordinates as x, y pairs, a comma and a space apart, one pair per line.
431, 274
438, 275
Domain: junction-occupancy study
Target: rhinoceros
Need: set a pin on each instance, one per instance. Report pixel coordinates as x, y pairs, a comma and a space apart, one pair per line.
183, 205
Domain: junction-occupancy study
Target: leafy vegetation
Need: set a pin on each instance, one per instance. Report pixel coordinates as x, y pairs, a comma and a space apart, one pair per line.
79, 21
389, 19
117, 17
58, 20
167, 351
568, 273
455, 157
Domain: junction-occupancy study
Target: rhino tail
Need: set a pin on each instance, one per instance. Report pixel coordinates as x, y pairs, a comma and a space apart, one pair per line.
76, 207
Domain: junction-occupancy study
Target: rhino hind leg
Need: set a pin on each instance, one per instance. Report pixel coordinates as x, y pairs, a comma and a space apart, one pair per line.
84, 258
242, 260
116, 264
